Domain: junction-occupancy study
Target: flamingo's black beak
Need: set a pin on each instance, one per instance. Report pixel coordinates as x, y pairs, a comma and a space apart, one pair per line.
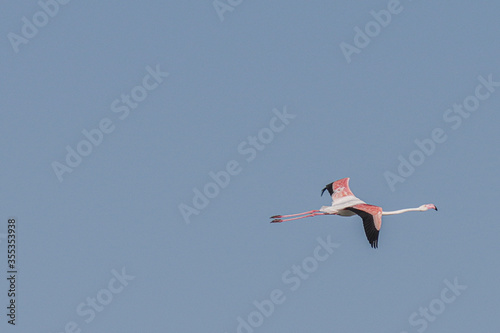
435, 207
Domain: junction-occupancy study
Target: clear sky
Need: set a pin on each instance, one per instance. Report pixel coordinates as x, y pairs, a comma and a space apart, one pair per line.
146, 144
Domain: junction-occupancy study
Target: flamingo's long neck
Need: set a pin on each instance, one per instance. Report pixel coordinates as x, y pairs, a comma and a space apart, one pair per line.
394, 212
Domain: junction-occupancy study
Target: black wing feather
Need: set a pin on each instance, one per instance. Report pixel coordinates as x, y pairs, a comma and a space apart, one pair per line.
328, 187
370, 230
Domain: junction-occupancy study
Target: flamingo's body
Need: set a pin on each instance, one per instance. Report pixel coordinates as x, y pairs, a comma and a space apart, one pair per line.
344, 203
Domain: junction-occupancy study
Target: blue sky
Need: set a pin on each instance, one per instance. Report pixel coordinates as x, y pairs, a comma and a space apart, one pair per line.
117, 116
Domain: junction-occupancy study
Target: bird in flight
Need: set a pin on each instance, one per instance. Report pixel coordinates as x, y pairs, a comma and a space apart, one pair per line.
346, 204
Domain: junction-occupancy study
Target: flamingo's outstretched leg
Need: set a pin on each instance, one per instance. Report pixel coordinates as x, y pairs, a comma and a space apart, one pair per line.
309, 212
296, 218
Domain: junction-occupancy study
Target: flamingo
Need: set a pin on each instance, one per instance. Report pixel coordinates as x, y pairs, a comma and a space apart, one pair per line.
346, 204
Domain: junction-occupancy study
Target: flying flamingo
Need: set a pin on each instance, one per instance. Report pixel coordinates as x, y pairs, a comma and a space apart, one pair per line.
346, 204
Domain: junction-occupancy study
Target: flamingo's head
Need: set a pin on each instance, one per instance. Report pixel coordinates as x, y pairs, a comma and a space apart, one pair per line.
423, 208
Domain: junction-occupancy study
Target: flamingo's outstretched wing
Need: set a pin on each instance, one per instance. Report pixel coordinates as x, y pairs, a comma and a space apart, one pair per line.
342, 196
372, 221
338, 189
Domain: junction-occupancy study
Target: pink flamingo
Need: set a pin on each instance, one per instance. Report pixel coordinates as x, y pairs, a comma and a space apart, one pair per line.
346, 204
